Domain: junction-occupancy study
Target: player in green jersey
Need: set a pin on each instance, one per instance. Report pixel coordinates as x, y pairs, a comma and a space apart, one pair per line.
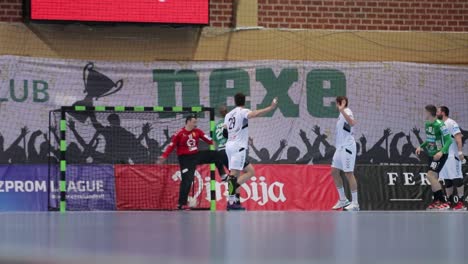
220, 140
438, 140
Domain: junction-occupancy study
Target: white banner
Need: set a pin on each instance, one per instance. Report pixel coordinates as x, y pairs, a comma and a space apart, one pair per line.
387, 95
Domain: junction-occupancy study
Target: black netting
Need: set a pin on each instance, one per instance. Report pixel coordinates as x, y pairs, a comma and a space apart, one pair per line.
111, 156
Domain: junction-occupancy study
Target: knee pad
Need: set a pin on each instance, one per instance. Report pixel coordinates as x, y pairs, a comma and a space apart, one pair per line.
448, 183
458, 182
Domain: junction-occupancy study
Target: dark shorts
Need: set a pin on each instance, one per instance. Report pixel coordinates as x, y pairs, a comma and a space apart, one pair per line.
437, 165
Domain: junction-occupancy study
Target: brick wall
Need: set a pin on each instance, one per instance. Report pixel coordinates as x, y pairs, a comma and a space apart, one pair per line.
415, 15
11, 10
221, 14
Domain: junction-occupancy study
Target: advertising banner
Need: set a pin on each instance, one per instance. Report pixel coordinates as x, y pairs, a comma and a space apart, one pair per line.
276, 187
26, 188
387, 100
23, 187
395, 187
89, 187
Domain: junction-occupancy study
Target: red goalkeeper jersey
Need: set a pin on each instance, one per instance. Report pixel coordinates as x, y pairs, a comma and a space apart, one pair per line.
186, 142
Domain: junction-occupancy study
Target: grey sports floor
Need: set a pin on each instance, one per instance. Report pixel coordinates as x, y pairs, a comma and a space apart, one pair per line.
234, 237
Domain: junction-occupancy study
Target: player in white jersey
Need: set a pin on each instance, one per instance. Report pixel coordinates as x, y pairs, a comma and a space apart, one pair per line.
345, 156
452, 170
236, 125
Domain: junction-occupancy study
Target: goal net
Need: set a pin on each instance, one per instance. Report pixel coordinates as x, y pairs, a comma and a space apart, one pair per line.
104, 158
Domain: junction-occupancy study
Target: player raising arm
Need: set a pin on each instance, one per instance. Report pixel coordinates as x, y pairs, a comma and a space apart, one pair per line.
437, 144
237, 129
452, 170
186, 142
345, 156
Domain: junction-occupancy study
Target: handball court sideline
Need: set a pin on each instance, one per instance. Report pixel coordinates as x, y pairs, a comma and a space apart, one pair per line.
234, 237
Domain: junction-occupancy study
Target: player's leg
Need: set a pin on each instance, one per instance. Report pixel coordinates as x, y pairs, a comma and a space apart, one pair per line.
336, 174
237, 158
188, 164
349, 160
440, 200
459, 203
209, 156
224, 160
458, 199
249, 172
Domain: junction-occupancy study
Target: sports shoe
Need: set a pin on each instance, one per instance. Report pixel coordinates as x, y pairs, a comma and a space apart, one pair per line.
234, 204
341, 204
235, 207
437, 205
433, 205
183, 208
444, 206
459, 206
352, 207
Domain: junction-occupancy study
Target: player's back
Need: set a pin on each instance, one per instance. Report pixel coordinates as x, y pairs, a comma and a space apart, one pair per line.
237, 124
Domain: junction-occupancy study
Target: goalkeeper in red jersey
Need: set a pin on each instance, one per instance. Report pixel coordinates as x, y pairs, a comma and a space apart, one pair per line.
438, 140
185, 141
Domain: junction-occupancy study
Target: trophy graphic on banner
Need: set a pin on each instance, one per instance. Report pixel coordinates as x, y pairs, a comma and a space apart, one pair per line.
97, 85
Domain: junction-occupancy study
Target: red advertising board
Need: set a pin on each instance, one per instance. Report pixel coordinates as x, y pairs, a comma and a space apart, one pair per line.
276, 187
147, 11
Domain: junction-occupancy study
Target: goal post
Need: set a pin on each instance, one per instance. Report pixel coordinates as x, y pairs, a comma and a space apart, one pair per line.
128, 139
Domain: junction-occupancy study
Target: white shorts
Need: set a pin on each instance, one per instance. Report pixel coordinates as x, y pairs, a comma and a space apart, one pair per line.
452, 169
236, 157
345, 158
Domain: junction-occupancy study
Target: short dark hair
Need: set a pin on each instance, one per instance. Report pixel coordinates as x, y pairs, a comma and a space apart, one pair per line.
431, 109
339, 99
239, 99
190, 117
445, 110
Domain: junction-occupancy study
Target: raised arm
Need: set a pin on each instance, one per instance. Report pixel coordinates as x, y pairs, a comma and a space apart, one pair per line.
349, 118
255, 150
310, 150
144, 132
32, 140
168, 138
94, 121
386, 134
261, 112
283, 144
71, 125
24, 132
394, 154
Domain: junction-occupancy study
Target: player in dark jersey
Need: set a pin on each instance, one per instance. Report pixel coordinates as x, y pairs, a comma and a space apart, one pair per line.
185, 141
437, 145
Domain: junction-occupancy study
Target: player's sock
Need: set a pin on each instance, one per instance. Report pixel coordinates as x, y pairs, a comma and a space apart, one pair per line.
439, 196
341, 193
224, 177
354, 197
232, 185
238, 197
